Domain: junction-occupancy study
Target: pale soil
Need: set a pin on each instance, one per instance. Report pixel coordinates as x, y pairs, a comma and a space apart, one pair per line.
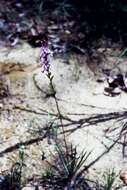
80, 97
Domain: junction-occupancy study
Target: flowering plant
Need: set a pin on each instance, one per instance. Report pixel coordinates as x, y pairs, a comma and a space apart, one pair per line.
45, 57
45, 61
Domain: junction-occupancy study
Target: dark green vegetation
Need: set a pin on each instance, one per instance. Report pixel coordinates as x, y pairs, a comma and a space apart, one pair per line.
76, 24
95, 19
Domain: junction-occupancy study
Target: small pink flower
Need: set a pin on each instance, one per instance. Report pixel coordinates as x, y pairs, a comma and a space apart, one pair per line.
45, 57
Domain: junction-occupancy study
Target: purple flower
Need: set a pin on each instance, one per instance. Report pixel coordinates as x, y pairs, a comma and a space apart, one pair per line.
45, 57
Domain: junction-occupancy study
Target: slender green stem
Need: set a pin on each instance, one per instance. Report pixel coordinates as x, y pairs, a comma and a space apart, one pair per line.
58, 109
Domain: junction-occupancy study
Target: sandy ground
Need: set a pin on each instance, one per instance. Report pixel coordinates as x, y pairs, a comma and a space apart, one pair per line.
94, 123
